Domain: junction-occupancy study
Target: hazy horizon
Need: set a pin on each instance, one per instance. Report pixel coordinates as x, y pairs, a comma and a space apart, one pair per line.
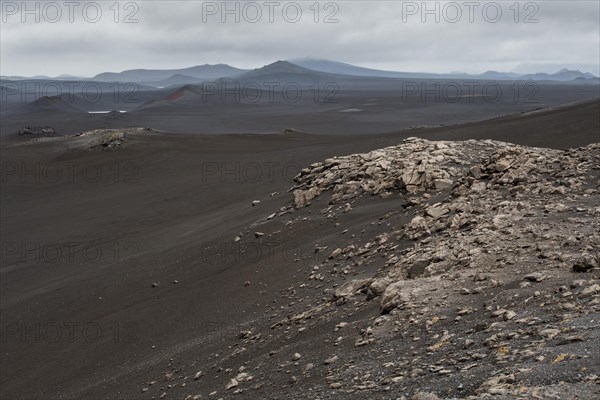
521, 69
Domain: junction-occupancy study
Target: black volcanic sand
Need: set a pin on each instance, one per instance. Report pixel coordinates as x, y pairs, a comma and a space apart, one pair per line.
86, 234
363, 107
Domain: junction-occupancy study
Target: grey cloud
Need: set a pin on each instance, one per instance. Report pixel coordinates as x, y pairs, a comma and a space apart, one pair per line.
173, 34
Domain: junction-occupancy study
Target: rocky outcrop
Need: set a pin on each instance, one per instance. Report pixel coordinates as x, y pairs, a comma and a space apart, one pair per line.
95, 140
37, 131
483, 222
496, 201
439, 270
420, 165
109, 139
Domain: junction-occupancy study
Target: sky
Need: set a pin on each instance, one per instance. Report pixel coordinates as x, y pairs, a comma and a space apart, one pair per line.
84, 38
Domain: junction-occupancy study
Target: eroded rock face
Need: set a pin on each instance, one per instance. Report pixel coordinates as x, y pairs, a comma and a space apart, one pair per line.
414, 166
420, 165
351, 287
498, 196
498, 190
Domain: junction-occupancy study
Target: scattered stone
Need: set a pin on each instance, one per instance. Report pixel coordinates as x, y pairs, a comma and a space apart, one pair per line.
570, 339
591, 290
549, 333
535, 277
585, 263
232, 383
331, 360
351, 287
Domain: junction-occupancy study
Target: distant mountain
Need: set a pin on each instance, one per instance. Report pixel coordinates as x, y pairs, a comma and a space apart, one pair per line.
300, 67
551, 68
100, 96
69, 77
284, 72
179, 79
499, 75
269, 82
50, 104
185, 93
201, 72
262, 84
63, 77
278, 67
335, 67
562, 75
281, 66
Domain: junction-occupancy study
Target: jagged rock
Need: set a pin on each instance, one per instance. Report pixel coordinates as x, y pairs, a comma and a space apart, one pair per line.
351, 287
395, 295
589, 291
437, 211
535, 277
377, 287
232, 383
502, 221
303, 198
500, 384
585, 263
331, 360
424, 396
549, 333
336, 253
441, 184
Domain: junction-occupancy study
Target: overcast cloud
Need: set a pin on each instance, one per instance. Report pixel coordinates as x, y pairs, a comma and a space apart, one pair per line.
377, 34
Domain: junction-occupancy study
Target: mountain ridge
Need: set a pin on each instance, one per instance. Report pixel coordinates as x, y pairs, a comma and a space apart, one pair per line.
208, 72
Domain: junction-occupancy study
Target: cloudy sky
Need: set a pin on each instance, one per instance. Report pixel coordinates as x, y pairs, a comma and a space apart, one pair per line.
85, 37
